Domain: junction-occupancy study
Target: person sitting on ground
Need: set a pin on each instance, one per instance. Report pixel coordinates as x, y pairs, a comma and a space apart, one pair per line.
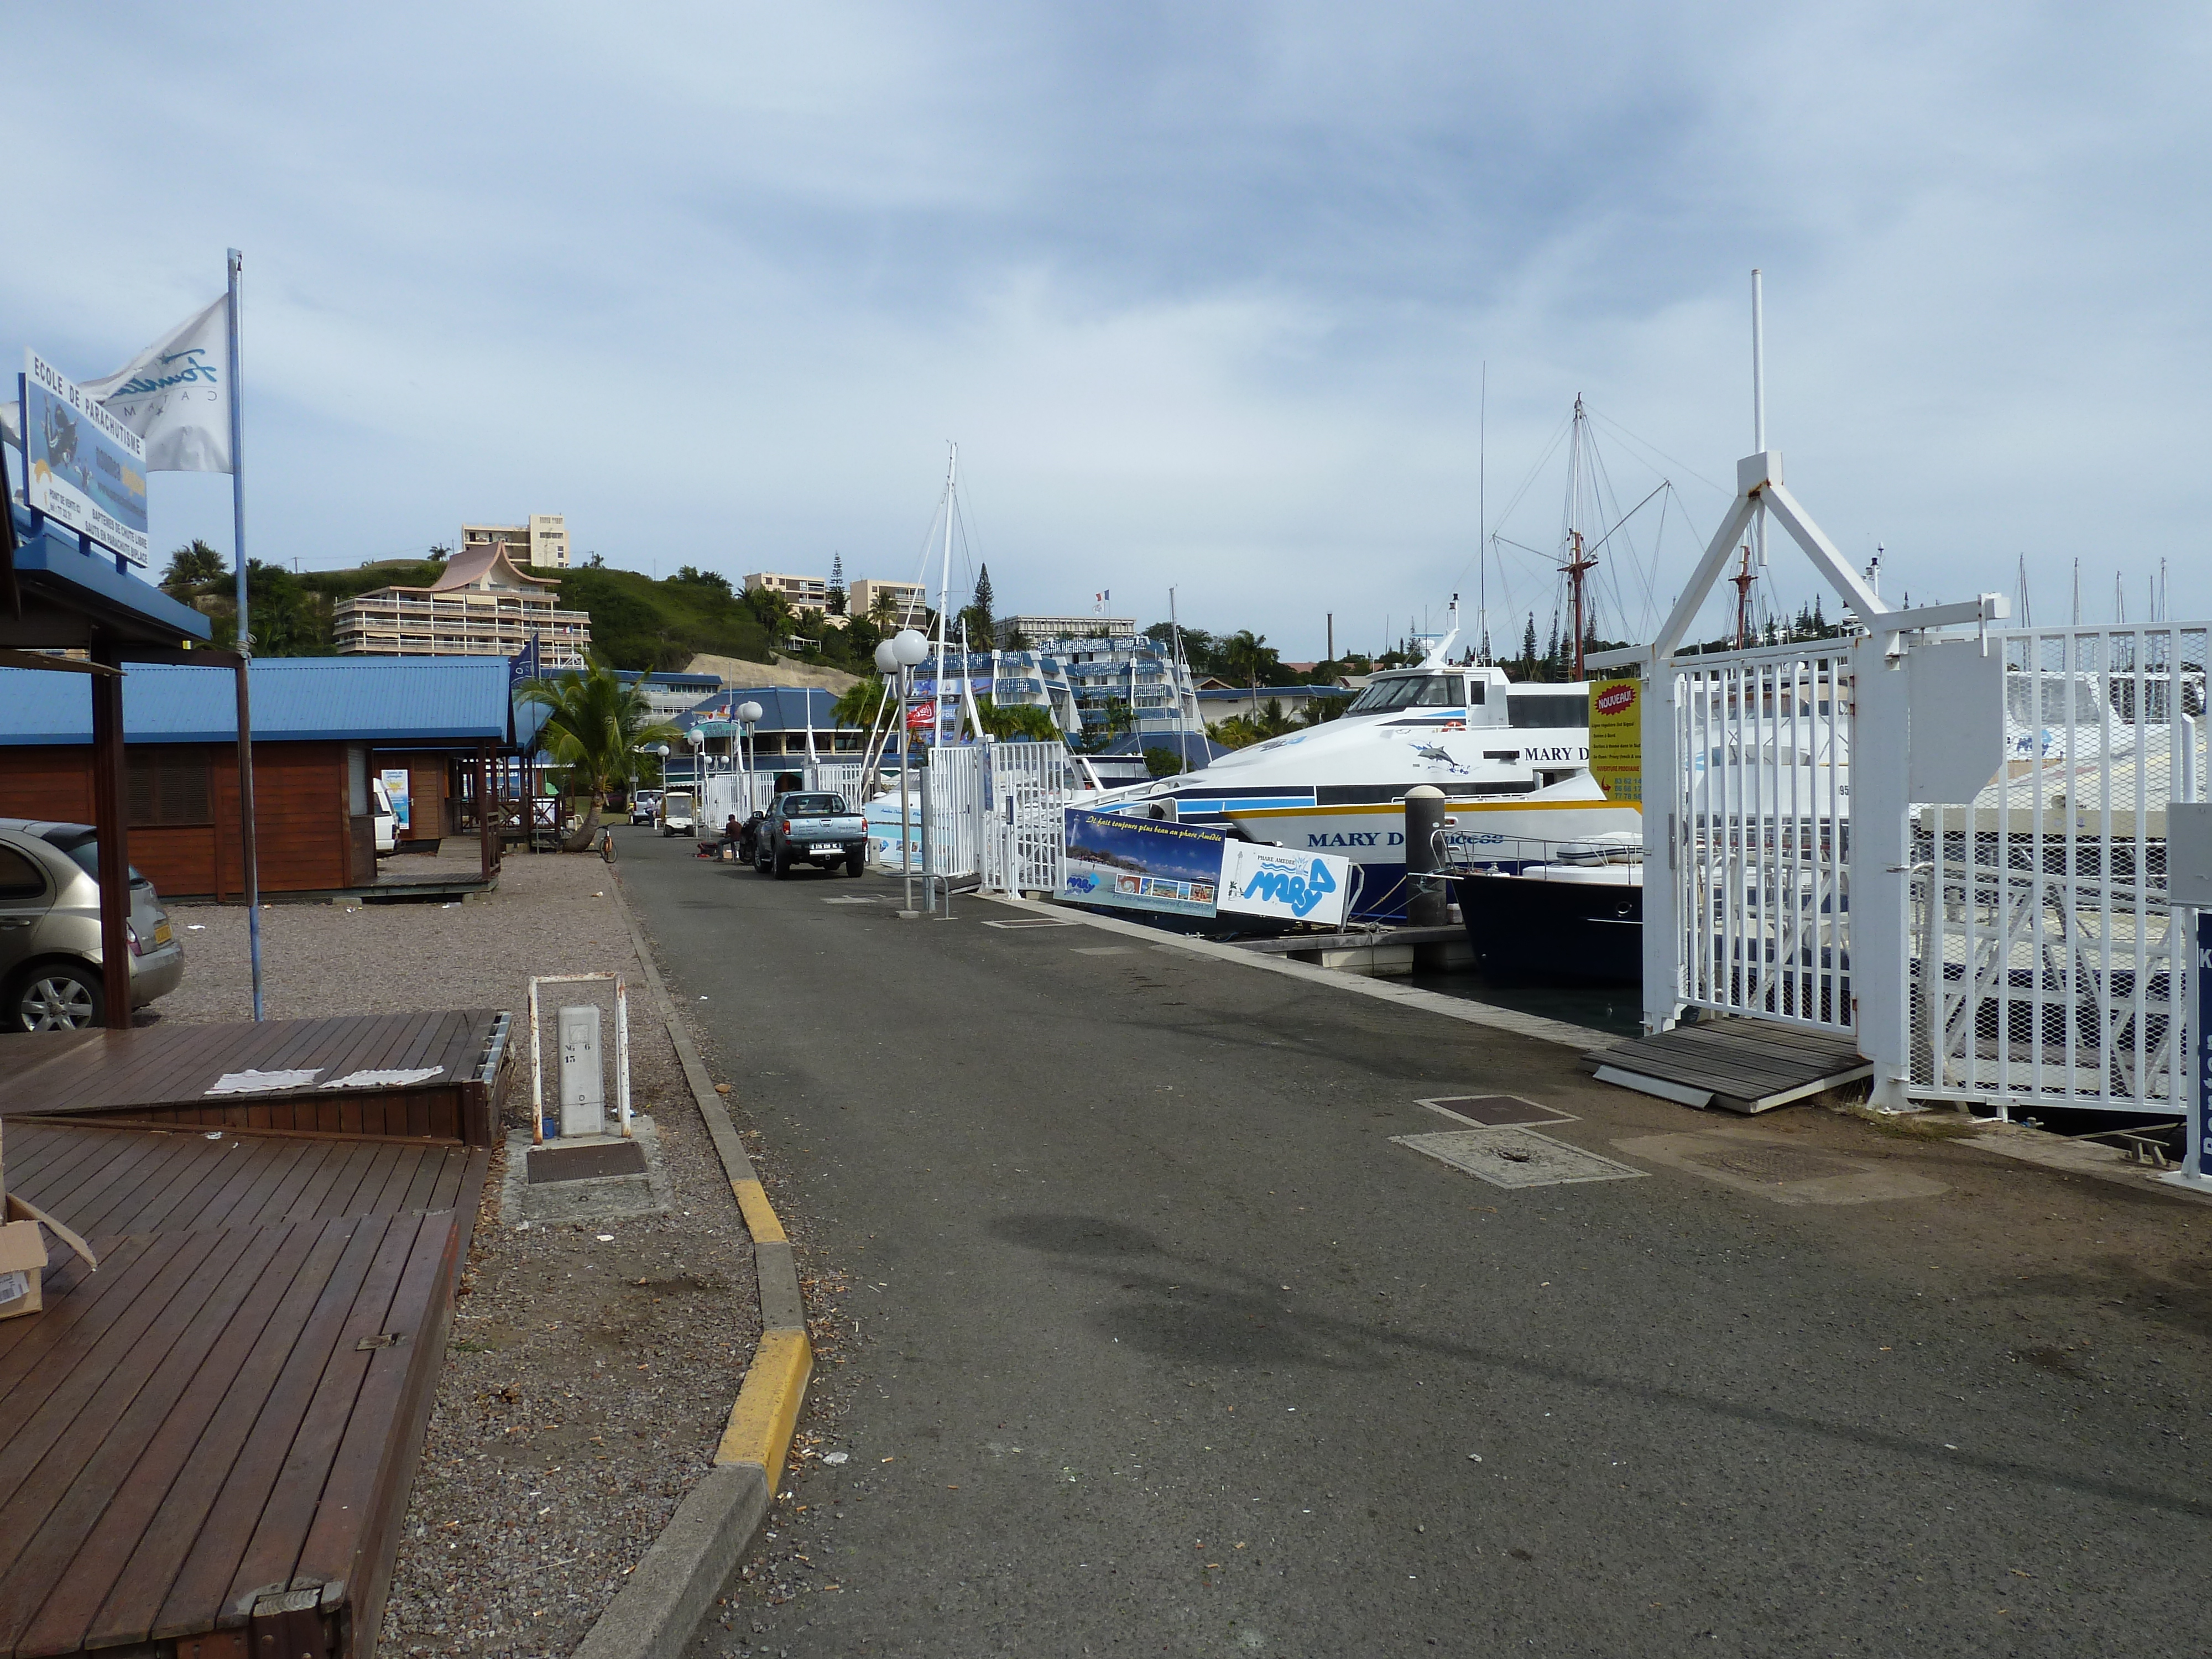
729, 836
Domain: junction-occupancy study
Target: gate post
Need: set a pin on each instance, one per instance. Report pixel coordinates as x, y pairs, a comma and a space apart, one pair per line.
1663, 798
1880, 929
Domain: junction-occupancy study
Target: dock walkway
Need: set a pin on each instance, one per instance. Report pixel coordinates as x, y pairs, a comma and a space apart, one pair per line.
210, 1440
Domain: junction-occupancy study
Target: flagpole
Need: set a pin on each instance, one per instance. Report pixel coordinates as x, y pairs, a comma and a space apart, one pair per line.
246, 853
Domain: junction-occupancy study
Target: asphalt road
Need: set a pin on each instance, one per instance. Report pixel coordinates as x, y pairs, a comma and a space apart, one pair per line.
1163, 1345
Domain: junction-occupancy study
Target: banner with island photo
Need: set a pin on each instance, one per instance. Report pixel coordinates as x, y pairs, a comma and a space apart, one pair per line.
1141, 864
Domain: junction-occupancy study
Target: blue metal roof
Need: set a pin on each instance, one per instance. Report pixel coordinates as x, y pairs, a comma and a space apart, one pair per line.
382, 700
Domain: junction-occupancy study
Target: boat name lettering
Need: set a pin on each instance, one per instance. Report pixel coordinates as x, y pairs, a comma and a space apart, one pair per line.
1560, 752
1358, 838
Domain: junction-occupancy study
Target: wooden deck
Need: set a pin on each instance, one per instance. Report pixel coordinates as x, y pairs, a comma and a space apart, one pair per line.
206, 1447
160, 1075
1737, 1064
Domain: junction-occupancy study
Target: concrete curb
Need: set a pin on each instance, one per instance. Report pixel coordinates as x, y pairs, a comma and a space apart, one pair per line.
1458, 1008
669, 1592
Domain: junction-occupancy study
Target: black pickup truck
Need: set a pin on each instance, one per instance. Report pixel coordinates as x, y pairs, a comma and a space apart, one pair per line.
812, 828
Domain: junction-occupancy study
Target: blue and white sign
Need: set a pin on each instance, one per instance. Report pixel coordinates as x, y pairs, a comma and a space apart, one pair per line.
1141, 864
1285, 884
87, 469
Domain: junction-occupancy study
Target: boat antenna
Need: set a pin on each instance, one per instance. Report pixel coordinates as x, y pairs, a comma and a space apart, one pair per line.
2027, 616
1440, 652
1482, 506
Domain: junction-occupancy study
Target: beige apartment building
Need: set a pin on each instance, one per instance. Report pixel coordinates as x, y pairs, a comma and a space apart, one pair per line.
542, 541
909, 600
804, 593
485, 604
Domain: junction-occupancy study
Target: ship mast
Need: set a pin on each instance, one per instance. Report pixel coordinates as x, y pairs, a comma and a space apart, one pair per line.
1579, 563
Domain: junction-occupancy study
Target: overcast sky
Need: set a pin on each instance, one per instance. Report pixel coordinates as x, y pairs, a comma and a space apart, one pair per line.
1204, 292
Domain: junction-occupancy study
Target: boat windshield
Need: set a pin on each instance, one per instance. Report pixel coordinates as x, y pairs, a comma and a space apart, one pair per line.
1410, 691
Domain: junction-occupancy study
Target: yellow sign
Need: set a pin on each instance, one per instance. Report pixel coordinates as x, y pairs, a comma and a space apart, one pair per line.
1616, 739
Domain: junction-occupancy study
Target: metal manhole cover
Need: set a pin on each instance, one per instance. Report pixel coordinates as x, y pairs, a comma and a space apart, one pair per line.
1778, 1163
617, 1158
1492, 1110
1509, 1156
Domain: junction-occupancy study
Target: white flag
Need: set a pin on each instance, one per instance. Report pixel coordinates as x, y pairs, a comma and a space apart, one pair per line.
175, 394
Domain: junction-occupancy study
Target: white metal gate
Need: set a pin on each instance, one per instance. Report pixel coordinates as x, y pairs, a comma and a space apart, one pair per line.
1760, 831
2044, 970
1030, 785
954, 780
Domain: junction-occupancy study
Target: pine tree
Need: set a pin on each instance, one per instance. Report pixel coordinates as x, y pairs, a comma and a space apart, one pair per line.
1529, 649
1551, 653
838, 584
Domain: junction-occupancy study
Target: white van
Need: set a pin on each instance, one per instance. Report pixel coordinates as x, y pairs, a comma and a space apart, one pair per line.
387, 821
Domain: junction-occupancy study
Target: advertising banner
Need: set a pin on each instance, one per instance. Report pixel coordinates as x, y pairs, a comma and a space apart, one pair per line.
395, 785
1616, 738
87, 469
1291, 886
1141, 864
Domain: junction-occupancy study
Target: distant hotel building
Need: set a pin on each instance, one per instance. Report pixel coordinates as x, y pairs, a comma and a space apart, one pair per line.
1038, 629
543, 542
483, 604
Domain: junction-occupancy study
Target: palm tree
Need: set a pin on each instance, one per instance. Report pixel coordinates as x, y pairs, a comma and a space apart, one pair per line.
1016, 722
190, 565
1246, 656
860, 705
594, 726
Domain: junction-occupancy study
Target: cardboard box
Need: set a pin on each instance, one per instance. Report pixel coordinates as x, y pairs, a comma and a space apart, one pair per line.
23, 1253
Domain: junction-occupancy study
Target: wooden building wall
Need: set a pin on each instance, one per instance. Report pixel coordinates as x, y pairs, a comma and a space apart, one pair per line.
184, 816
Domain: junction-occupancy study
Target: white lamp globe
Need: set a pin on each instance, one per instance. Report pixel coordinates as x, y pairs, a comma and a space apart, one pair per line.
909, 647
750, 713
886, 659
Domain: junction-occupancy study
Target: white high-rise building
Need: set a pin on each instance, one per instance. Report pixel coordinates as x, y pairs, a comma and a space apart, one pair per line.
542, 542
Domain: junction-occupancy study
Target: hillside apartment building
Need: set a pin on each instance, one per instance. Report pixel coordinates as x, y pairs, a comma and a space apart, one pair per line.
909, 600
483, 604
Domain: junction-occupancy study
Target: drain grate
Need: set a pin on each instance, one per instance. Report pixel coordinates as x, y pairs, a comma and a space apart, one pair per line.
615, 1157
1511, 1157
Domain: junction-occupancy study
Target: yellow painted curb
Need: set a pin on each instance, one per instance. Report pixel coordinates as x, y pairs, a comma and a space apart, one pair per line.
767, 1413
760, 1214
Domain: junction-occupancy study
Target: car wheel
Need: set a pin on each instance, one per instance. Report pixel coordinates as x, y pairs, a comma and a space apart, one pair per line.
855, 861
760, 860
57, 996
783, 866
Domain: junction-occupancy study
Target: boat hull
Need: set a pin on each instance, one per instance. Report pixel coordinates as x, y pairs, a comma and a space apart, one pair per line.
1521, 924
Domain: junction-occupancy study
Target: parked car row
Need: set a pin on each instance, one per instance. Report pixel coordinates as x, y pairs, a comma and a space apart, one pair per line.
50, 965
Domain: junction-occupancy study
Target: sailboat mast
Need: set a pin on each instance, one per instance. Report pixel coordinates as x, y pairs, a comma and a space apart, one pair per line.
944, 596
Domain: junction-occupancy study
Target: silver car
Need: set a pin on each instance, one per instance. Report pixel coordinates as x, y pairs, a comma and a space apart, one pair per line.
49, 958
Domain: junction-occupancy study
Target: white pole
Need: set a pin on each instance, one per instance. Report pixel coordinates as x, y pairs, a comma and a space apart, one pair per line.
621, 1053
1758, 396
537, 1075
905, 769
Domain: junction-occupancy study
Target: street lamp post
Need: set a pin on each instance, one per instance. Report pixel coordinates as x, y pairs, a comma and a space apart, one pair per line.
749, 715
900, 653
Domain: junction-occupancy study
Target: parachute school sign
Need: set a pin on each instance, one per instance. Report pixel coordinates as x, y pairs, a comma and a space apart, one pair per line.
85, 468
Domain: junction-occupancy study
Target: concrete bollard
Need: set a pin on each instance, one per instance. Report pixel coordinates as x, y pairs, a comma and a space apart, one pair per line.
1428, 895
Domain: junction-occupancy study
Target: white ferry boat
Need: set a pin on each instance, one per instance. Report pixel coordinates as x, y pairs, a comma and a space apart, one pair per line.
1512, 760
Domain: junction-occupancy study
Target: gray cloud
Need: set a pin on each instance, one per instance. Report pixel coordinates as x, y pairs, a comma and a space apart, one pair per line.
1205, 292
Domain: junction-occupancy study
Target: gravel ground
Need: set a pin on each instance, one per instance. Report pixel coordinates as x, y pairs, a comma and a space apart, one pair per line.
591, 1367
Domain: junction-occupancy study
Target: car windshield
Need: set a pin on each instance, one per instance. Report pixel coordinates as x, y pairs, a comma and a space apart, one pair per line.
83, 846
814, 805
